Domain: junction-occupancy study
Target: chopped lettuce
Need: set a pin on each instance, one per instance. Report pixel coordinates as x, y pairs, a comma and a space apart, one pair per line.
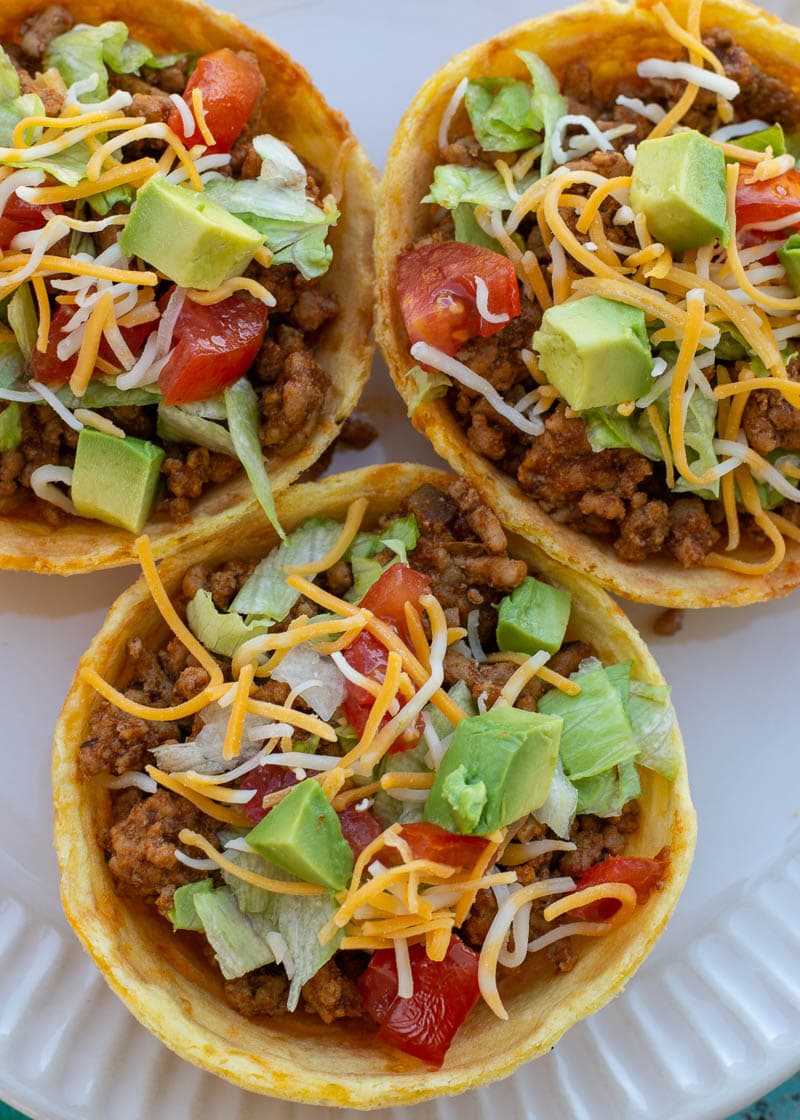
428, 386
400, 536
183, 914
390, 810
218, 631
607, 794
266, 594
467, 228
10, 426
652, 719
699, 433
772, 137
460, 692
276, 205
87, 50
453, 184
366, 571
12, 364
561, 804
211, 409
597, 732
100, 394
104, 202
204, 752
183, 427
619, 675
547, 103
302, 664
606, 428
67, 167
239, 940
241, 404
23, 319
767, 495
502, 114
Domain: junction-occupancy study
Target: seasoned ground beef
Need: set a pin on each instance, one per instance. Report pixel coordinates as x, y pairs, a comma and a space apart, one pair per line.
37, 32
332, 994
261, 992
668, 622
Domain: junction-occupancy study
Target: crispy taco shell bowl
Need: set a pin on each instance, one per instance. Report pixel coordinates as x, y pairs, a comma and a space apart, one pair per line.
614, 37
171, 989
298, 113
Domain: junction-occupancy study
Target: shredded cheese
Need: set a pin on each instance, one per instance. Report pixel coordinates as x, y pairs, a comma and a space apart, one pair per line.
350, 529
226, 290
200, 116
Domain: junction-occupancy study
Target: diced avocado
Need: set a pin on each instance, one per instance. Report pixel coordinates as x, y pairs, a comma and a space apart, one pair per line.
114, 479
789, 256
302, 835
678, 184
533, 617
498, 768
187, 236
10, 427
183, 914
597, 732
772, 137
595, 351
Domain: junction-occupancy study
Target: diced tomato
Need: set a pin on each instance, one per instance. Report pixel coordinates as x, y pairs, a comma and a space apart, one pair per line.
49, 368
231, 87
264, 780
643, 875
20, 216
436, 285
215, 346
429, 841
398, 585
444, 994
359, 828
768, 201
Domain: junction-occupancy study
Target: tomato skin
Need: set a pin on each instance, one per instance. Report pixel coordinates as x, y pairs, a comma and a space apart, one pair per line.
643, 875
430, 841
264, 780
48, 368
20, 216
444, 994
359, 828
216, 345
768, 201
437, 291
231, 87
386, 598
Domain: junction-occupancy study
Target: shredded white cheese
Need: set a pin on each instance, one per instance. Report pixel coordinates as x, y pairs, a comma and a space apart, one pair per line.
450, 112
482, 303
686, 72
650, 111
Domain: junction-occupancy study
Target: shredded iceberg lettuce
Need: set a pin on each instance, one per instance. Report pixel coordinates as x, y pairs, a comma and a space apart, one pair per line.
219, 631
607, 794
241, 403
87, 50
427, 387
502, 114
174, 423
239, 940
453, 184
266, 594
561, 804
652, 718
548, 103
183, 914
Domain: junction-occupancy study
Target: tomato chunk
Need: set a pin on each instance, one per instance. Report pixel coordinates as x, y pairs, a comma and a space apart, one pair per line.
231, 87
50, 369
769, 201
430, 841
359, 828
398, 585
437, 288
264, 780
216, 345
643, 875
444, 994
20, 216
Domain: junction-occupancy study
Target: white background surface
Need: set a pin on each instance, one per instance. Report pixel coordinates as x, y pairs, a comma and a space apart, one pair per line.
712, 1018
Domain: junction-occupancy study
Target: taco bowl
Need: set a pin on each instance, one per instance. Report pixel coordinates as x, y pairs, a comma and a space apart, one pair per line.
306, 368
591, 484
233, 1027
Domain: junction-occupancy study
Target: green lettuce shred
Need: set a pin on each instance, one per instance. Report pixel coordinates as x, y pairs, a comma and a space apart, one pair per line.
86, 50
548, 103
239, 940
266, 594
502, 114
241, 403
219, 631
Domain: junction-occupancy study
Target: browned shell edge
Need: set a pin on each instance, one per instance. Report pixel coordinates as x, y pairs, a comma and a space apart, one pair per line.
615, 37
302, 116
176, 998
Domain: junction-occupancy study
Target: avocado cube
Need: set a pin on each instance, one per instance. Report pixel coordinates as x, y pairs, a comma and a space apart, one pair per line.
498, 768
772, 137
187, 236
789, 256
115, 480
533, 617
678, 183
595, 351
302, 835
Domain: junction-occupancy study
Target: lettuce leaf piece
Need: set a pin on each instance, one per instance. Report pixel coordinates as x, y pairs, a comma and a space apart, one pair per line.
428, 386
767, 495
23, 318
502, 114
366, 571
548, 104
699, 433
266, 594
607, 794
620, 677
606, 428
772, 137
183, 427
453, 185
460, 692
239, 940
389, 810
86, 50
468, 230
10, 426
183, 914
400, 535
241, 404
560, 805
597, 732
211, 409
13, 106
12, 364
104, 202
99, 394
220, 632
652, 716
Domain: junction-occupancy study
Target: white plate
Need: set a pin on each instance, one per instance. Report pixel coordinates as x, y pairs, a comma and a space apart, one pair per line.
711, 1020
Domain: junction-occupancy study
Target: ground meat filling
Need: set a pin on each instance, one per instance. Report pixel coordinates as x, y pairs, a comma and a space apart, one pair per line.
463, 550
293, 389
617, 495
